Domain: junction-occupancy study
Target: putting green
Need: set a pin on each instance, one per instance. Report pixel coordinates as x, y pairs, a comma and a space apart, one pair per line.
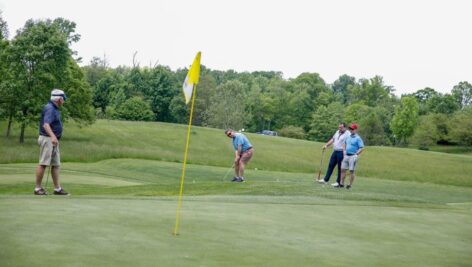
255, 231
67, 178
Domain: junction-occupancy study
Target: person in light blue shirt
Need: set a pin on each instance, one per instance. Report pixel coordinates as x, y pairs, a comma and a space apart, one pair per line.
352, 148
243, 151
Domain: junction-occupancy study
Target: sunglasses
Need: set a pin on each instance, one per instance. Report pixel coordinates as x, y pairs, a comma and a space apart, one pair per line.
228, 134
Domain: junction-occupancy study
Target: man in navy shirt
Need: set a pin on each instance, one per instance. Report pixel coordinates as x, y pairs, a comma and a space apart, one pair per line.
50, 132
243, 151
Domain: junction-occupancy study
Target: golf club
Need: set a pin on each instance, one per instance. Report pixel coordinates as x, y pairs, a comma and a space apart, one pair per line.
224, 178
321, 164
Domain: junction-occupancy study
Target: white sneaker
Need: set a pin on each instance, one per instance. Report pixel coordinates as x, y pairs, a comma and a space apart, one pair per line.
322, 181
335, 184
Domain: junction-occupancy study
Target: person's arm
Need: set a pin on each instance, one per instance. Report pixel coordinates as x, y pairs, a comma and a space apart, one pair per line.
359, 151
361, 147
51, 134
328, 144
237, 153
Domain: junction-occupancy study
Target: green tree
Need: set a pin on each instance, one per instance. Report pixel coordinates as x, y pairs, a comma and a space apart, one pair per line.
40, 58
134, 109
423, 96
179, 110
446, 104
228, 106
162, 89
461, 127
371, 130
206, 89
405, 119
325, 121
342, 86
463, 94
96, 70
356, 112
370, 92
9, 100
426, 133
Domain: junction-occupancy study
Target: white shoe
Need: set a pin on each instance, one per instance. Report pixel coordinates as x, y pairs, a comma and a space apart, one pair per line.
335, 184
322, 181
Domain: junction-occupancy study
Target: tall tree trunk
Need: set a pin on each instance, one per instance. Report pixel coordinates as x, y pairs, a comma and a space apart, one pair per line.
10, 121
22, 133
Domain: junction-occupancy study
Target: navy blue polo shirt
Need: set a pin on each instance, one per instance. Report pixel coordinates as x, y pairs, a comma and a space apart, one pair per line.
52, 116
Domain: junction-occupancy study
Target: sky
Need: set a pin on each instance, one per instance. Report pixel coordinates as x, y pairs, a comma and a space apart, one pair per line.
412, 44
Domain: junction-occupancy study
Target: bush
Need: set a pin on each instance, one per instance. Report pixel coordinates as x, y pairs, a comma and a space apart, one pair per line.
292, 132
135, 109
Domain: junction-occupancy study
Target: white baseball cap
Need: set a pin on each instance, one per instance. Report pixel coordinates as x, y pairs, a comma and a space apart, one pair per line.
58, 92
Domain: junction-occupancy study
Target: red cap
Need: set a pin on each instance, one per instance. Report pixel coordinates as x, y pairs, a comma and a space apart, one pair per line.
353, 126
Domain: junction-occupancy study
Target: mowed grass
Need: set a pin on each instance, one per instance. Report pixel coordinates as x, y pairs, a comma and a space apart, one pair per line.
228, 231
210, 147
407, 207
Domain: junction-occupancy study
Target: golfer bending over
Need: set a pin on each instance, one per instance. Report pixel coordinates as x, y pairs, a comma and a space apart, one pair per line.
50, 131
243, 151
351, 149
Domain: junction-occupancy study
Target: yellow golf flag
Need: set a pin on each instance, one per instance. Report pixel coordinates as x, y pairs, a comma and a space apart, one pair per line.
192, 78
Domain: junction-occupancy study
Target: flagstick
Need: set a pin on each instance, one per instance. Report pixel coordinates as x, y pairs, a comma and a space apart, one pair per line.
177, 216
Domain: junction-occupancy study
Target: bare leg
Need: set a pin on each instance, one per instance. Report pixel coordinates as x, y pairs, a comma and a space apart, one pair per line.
55, 176
343, 175
39, 175
236, 168
351, 178
241, 168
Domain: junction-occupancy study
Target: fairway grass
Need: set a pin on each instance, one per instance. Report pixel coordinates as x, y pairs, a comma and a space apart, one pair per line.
122, 213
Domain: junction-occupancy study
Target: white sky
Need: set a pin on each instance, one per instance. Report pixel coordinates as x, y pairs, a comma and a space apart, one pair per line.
411, 43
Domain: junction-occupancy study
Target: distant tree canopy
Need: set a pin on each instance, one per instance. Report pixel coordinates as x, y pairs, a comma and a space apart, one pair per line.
39, 58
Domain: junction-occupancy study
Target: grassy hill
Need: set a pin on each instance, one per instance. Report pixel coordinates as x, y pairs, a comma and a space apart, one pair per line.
407, 207
210, 147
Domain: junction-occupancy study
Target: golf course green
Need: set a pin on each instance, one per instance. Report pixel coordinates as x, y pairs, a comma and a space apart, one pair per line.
407, 207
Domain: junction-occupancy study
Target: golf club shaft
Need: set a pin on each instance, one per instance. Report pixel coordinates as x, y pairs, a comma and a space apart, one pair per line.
232, 166
321, 164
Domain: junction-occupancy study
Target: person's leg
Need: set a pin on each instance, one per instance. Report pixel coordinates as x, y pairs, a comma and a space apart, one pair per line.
332, 164
39, 175
45, 154
343, 174
351, 178
55, 176
236, 168
344, 168
241, 168
245, 157
352, 168
339, 160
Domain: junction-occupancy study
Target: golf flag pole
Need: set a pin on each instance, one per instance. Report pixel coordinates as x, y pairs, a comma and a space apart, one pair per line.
190, 91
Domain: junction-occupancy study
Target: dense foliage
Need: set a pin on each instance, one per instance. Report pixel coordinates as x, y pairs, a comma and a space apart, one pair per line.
39, 58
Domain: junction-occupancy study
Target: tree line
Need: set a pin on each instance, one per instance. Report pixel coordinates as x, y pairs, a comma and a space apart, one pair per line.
39, 58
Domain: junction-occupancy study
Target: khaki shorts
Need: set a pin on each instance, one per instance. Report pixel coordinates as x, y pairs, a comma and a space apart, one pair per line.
247, 155
349, 163
48, 154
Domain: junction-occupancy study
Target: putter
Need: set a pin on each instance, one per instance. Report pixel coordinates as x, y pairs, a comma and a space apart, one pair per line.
224, 178
53, 154
321, 164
